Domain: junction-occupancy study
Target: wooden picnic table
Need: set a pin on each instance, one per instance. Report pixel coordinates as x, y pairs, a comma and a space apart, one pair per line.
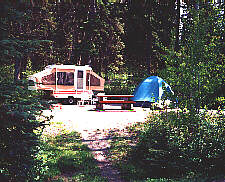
123, 101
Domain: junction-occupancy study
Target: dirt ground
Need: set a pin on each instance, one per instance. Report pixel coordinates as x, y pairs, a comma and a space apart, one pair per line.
94, 127
82, 118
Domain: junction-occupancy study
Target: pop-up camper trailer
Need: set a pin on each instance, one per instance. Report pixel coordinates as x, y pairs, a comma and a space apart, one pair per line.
67, 82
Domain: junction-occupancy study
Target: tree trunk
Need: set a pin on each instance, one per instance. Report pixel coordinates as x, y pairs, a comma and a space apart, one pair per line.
92, 8
177, 26
23, 67
149, 38
17, 69
149, 54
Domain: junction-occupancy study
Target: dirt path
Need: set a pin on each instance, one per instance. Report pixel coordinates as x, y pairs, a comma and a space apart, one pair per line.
98, 142
94, 127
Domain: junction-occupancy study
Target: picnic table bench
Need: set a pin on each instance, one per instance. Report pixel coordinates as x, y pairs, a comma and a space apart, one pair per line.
123, 101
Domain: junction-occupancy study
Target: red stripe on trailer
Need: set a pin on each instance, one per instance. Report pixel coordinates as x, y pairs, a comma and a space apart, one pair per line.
66, 92
71, 92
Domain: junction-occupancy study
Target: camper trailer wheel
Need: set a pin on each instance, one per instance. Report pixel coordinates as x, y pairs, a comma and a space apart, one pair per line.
71, 100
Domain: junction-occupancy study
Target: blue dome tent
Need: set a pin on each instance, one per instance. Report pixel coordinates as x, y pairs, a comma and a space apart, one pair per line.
151, 89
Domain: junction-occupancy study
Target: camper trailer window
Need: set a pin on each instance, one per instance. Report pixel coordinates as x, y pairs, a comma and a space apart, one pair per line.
94, 81
65, 78
80, 74
48, 79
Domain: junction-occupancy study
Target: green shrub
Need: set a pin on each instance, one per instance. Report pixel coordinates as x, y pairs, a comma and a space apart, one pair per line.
19, 139
220, 101
176, 145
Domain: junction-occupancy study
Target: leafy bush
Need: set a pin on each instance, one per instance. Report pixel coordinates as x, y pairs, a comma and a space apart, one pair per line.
19, 139
122, 83
220, 102
176, 145
172, 147
196, 70
118, 86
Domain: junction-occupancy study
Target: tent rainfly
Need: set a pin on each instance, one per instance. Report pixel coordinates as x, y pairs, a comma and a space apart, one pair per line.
151, 89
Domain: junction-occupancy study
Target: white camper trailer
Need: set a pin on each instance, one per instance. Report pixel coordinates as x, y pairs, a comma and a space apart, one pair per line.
74, 83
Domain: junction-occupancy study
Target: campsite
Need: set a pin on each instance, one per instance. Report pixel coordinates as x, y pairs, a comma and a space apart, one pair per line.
112, 91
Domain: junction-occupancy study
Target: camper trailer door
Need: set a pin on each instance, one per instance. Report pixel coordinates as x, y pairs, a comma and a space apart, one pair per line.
80, 80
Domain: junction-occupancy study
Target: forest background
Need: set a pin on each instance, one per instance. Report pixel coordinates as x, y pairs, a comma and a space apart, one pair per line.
123, 41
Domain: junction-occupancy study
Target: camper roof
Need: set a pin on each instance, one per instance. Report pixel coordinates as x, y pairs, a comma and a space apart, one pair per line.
86, 67
49, 68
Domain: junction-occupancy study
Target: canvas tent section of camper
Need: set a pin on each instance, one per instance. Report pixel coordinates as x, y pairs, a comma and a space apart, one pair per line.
64, 81
67, 77
151, 89
94, 81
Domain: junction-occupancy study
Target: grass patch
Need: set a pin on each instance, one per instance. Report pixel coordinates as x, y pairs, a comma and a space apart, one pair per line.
63, 157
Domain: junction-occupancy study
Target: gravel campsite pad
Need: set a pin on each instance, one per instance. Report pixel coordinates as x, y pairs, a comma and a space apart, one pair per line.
94, 127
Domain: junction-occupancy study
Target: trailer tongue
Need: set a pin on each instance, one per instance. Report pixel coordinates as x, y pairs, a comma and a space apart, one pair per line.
74, 83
